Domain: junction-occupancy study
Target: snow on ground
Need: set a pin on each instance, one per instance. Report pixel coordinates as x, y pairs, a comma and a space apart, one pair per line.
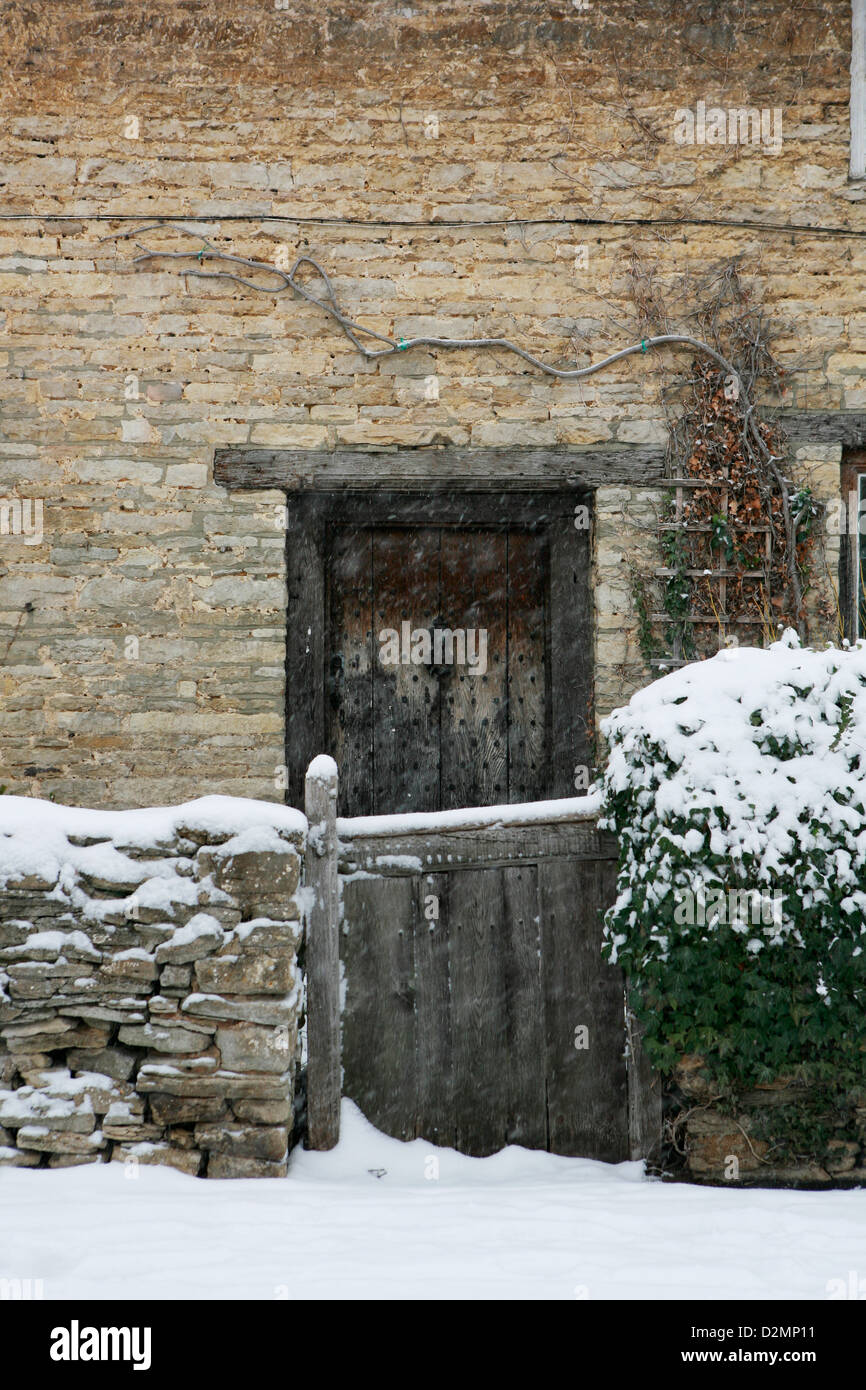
517, 1225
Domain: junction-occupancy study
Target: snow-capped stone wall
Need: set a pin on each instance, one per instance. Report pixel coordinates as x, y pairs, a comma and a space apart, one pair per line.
150, 995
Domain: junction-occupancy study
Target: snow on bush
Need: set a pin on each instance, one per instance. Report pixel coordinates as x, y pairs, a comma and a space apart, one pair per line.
737, 789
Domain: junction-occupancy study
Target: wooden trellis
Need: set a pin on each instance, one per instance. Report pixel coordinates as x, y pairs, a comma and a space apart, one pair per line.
719, 574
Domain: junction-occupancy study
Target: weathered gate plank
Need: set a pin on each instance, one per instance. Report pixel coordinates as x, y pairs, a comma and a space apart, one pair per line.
644, 1086
433, 1012
487, 846
586, 1088
479, 1021
379, 1033
524, 1001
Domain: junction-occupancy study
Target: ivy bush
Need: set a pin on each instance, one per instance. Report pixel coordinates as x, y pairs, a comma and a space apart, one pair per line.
737, 789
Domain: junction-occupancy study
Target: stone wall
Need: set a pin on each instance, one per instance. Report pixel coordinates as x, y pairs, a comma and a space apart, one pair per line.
625, 547
818, 466
143, 632
150, 995
781, 1133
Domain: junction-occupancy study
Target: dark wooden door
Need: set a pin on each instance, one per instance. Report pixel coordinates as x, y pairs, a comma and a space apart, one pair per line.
411, 732
458, 726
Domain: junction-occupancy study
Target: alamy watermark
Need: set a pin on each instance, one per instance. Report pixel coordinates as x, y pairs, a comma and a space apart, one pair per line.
77, 1343
438, 646
854, 1287
846, 518
735, 125
18, 1290
732, 907
22, 516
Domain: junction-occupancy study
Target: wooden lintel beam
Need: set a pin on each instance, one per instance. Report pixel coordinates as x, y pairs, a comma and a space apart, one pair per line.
325, 470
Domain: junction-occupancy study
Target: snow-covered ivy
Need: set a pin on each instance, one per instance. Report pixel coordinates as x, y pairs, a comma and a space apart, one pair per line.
737, 789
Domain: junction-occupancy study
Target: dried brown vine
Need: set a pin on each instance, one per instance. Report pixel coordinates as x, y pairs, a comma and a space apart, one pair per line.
737, 537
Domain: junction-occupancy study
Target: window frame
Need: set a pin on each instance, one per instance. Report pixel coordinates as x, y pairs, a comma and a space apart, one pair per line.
852, 550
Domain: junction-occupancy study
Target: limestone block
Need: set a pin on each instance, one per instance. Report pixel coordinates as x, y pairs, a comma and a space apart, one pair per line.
244, 1141
249, 1047
174, 1110
68, 1160
176, 978
197, 938
231, 1085
147, 1154
262, 1112
161, 1038
262, 883
274, 1011
713, 1139
230, 1166
246, 974
116, 1061
49, 1140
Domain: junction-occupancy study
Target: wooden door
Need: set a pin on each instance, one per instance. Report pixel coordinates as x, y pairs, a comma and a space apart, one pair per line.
411, 732
499, 710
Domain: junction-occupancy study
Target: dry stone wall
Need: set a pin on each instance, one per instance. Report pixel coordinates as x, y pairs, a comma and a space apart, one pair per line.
778, 1133
150, 995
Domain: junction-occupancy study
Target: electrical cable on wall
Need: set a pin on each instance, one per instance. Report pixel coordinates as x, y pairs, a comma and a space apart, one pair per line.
742, 224
355, 332
753, 442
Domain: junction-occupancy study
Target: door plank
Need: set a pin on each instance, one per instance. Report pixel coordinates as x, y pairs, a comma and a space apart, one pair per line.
406, 734
474, 707
528, 732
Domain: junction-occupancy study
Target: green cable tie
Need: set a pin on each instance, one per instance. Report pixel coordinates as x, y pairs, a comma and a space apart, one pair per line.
402, 345
201, 253
643, 344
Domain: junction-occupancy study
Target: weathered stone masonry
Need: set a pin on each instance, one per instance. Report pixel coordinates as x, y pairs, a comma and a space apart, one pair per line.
143, 638
149, 990
739, 1142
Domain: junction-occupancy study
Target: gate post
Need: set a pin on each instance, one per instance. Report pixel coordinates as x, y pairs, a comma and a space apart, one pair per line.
322, 956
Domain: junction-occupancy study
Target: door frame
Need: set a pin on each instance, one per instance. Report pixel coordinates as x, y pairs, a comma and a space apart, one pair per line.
311, 514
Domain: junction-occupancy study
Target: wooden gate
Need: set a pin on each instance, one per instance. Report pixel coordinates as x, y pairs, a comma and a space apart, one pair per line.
477, 1010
